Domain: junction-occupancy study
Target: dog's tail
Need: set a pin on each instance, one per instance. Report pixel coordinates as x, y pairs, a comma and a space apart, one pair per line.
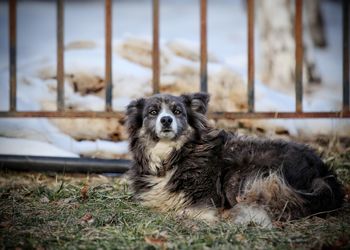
325, 194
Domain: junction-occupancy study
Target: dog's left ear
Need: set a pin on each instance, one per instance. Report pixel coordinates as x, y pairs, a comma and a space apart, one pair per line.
198, 102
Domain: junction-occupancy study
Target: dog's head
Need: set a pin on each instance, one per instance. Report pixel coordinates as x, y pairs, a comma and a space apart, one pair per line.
167, 117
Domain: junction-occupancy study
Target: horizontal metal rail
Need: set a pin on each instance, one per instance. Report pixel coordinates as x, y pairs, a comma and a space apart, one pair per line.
212, 115
62, 114
277, 115
63, 164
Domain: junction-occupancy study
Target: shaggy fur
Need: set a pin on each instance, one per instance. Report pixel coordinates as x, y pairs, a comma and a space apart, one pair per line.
193, 169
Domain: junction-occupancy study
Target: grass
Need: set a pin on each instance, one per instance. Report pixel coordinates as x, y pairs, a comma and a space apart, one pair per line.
55, 211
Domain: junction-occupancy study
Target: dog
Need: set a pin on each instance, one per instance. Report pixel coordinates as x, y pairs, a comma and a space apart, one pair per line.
183, 165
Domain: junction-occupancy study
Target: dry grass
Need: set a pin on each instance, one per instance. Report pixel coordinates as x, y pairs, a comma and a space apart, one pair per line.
56, 211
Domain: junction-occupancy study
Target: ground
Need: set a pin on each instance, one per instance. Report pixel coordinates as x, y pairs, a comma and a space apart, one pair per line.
60, 211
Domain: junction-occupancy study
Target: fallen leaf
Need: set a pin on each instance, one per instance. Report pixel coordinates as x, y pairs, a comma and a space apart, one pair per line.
157, 240
87, 218
239, 237
84, 192
278, 224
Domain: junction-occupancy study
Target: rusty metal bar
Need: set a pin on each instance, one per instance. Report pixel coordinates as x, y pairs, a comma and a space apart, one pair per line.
203, 49
63, 164
155, 50
60, 55
298, 27
108, 51
63, 114
277, 115
13, 53
250, 5
213, 115
346, 56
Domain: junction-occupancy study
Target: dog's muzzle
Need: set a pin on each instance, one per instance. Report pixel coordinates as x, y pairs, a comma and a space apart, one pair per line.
166, 127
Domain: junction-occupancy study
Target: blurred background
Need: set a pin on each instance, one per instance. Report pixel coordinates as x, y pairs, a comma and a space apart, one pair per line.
84, 32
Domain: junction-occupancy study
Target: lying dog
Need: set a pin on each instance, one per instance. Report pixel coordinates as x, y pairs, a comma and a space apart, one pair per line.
181, 164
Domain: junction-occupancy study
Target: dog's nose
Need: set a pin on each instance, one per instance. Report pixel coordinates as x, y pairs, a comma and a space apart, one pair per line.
166, 121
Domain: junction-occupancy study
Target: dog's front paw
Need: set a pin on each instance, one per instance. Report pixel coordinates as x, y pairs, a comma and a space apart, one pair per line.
246, 214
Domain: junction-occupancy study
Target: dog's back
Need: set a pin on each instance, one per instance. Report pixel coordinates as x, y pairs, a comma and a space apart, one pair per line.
280, 175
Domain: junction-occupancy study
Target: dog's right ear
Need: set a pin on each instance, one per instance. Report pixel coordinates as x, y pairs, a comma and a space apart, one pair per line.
197, 105
198, 102
134, 115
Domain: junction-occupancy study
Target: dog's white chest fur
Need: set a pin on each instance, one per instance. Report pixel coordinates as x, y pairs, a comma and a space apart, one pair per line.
159, 197
161, 152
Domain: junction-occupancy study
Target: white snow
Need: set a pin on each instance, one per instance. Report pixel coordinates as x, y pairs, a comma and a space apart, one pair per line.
132, 73
14, 146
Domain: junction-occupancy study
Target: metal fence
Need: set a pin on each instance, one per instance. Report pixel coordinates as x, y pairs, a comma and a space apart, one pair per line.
63, 113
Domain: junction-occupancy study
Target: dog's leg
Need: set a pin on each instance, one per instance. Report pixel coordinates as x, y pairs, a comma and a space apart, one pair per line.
263, 199
209, 215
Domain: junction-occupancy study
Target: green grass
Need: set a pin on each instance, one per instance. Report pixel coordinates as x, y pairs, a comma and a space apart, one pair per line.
72, 212
41, 211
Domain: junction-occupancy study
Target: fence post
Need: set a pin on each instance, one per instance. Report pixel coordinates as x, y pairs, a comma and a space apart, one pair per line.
13, 53
345, 56
108, 55
60, 55
155, 49
251, 96
298, 26
203, 49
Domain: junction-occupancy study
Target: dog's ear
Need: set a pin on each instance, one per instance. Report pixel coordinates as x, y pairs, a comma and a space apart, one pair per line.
134, 115
197, 102
197, 105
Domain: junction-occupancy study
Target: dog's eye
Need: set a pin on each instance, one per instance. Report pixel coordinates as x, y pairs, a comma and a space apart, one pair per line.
153, 112
177, 112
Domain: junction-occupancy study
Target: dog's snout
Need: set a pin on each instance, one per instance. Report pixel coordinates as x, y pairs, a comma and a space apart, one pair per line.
166, 121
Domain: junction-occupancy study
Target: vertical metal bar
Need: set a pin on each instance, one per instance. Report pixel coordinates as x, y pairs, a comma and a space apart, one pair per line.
155, 50
13, 53
346, 56
108, 55
203, 49
250, 5
298, 25
60, 55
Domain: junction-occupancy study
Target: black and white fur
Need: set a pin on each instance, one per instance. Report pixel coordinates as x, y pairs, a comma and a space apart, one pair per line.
183, 165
